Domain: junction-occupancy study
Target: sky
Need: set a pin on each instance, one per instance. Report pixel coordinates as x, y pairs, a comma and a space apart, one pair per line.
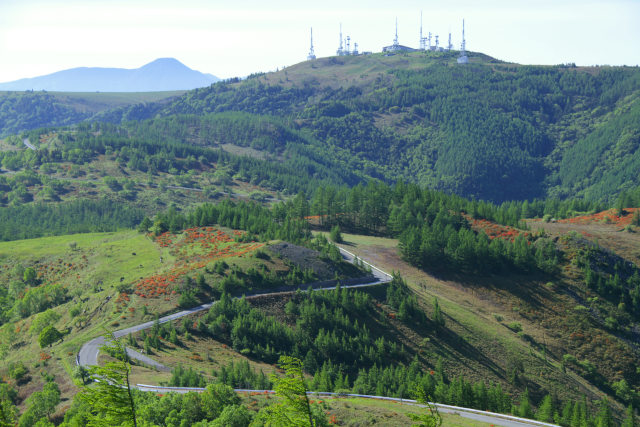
237, 38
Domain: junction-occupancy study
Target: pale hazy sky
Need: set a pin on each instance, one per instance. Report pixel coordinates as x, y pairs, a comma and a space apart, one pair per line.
228, 38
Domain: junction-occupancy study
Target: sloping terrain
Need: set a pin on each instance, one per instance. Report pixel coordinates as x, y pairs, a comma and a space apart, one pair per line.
23, 111
84, 283
163, 74
488, 130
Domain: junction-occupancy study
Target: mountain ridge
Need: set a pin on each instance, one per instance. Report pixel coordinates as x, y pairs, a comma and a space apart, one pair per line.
162, 74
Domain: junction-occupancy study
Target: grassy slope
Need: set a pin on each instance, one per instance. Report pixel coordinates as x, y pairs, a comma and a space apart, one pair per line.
478, 342
366, 412
91, 280
359, 71
478, 311
86, 182
93, 102
99, 265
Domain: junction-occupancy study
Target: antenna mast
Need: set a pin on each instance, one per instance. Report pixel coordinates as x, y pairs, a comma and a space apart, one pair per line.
463, 59
421, 38
340, 51
395, 40
463, 40
311, 55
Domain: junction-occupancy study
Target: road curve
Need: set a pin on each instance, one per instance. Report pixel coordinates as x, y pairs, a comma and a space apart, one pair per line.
28, 144
88, 355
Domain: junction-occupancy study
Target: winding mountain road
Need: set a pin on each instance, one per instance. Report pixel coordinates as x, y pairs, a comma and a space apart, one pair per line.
88, 356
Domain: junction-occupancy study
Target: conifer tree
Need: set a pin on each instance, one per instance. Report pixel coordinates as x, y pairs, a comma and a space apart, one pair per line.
545, 410
294, 408
438, 317
431, 417
604, 418
630, 419
336, 234
110, 397
525, 410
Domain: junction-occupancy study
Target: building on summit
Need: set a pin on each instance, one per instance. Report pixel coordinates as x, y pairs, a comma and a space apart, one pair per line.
397, 47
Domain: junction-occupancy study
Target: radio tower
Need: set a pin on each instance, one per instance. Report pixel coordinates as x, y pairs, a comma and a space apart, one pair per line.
395, 40
463, 59
340, 51
311, 55
422, 47
449, 45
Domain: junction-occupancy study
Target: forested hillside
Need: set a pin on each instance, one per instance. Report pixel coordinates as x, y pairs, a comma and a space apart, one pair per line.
487, 130
22, 111
503, 198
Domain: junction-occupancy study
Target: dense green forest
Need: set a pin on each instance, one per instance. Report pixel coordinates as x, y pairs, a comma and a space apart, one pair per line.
488, 131
81, 216
496, 132
24, 111
21, 111
433, 231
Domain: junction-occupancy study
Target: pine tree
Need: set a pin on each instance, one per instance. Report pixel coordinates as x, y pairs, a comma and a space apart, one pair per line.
336, 234
432, 417
545, 410
525, 410
630, 419
604, 418
110, 397
438, 317
294, 408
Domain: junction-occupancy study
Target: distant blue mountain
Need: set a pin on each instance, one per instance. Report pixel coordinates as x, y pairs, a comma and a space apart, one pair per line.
159, 75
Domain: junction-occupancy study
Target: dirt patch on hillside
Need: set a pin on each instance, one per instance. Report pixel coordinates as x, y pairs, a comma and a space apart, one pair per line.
304, 259
609, 236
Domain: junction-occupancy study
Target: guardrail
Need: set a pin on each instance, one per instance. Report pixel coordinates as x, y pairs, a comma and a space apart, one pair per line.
152, 388
388, 277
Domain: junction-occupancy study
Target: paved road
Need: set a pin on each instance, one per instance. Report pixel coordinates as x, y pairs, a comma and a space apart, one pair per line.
28, 144
89, 352
483, 416
88, 355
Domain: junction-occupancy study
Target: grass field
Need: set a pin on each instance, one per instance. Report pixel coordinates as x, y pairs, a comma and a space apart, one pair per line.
120, 279
93, 102
478, 312
360, 412
479, 341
